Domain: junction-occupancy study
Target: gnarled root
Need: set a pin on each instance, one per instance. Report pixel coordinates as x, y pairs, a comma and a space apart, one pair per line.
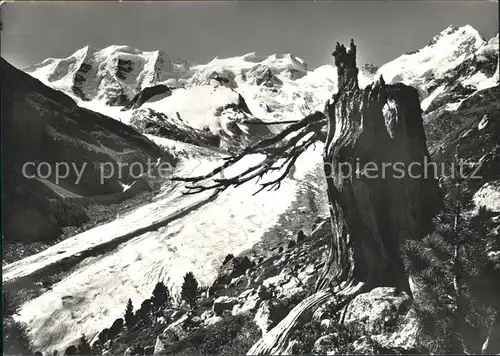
276, 341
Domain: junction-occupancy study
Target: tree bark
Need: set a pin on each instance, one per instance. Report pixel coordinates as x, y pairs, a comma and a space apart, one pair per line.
373, 134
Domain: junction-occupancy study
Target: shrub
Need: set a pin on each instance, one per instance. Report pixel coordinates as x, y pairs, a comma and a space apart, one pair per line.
143, 315
306, 336
232, 336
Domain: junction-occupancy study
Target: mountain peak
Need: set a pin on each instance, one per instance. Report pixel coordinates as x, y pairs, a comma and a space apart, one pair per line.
466, 31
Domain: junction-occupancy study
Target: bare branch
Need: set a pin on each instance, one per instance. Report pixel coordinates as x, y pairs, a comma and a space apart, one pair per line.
306, 132
250, 122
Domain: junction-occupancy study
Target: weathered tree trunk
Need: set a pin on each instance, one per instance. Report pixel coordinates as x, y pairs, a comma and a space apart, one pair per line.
390, 194
379, 189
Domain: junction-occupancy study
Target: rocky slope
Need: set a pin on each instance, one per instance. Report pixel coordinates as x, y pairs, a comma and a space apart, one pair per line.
252, 293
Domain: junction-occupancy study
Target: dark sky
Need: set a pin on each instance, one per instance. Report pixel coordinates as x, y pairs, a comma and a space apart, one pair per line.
199, 31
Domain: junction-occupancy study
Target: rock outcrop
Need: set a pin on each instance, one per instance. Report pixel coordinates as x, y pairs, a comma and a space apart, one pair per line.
157, 92
377, 311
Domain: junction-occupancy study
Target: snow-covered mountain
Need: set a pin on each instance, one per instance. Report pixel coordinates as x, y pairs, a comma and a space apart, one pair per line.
216, 99
114, 74
456, 63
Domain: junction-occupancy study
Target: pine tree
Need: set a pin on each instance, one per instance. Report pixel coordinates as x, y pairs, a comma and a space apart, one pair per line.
189, 290
449, 268
84, 348
161, 296
129, 317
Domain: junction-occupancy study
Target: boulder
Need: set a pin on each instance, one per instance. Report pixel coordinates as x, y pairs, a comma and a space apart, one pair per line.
264, 293
149, 350
245, 294
224, 303
276, 281
134, 350
270, 313
250, 305
176, 328
377, 311
212, 320
291, 288
326, 343
404, 337
206, 314
239, 281
172, 334
364, 346
233, 268
267, 272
